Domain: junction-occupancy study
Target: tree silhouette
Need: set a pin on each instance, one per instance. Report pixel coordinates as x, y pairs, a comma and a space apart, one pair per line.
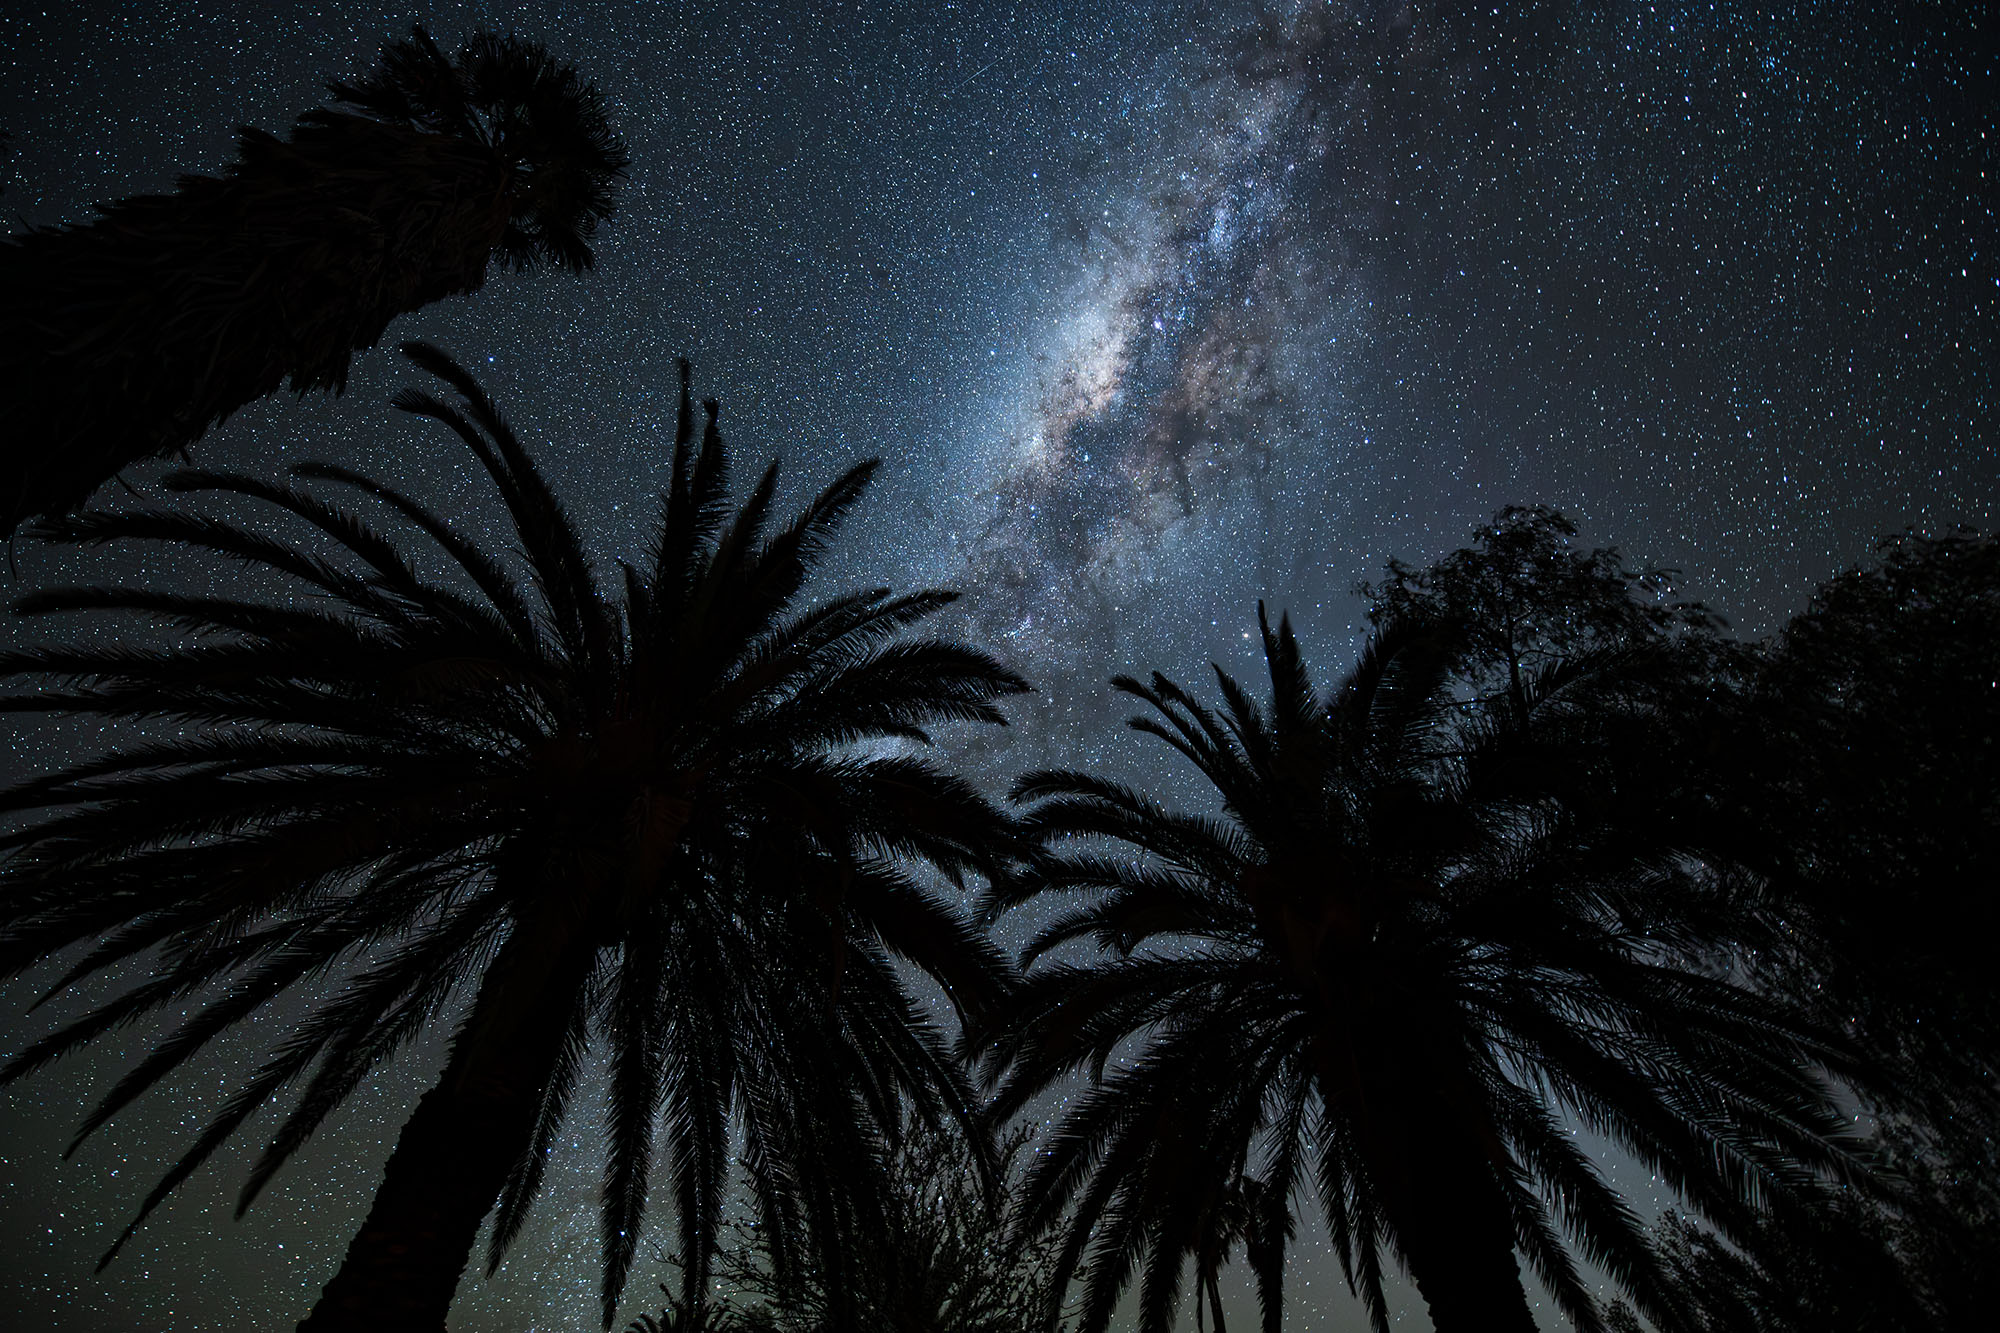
130, 336
1853, 764
1852, 1263
1404, 961
666, 815
1256, 1216
1524, 595
1867, 753
937, 1260
1821, 1271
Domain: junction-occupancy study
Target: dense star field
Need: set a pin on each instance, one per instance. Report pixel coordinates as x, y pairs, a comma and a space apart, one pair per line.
1151, 311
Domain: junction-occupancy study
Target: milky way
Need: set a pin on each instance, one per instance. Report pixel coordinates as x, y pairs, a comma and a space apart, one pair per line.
1571, 255
1152, 310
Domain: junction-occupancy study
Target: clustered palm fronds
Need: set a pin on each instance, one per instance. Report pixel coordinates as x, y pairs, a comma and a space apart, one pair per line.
938, 1259
1405, 962
637, 817
128, 337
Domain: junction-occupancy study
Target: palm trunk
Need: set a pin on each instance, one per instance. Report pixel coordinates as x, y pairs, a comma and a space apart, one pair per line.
1437, 1185
1444, 1200
452, 1158
1459, 1249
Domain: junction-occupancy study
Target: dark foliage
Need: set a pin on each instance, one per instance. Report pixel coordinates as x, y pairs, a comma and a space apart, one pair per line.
1853, 1264
1853, 766
1873, 752
1409, 957
941, 1260
630, 817
130, 336
1524, 595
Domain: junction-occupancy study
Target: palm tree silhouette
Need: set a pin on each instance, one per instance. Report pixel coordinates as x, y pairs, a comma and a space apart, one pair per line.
1404, 960
1253, 1214
936, 1260
672, 815
130, 336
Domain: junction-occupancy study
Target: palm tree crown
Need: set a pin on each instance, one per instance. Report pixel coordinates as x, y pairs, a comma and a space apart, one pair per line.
536, 118
130, 336
1406, 960
639, 815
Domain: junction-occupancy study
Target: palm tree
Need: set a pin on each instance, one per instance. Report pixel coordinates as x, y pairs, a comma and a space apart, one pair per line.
1255, 1215
1407, 957
936, 1260
129, 337
676, 815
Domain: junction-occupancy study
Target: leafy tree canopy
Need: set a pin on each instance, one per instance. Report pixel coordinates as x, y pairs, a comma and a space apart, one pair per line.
1525, 594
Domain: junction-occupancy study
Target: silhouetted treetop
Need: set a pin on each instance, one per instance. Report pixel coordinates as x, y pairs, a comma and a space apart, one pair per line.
1524, 594
1425, 938
128, 337
403, 776
535, 116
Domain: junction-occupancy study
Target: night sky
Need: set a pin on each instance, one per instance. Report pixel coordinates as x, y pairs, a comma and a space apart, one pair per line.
1151, 310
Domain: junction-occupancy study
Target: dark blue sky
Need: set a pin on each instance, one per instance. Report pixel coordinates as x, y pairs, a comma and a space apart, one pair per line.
1151, 310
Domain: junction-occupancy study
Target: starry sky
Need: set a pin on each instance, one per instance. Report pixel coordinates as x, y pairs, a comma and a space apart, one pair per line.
1151, 310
